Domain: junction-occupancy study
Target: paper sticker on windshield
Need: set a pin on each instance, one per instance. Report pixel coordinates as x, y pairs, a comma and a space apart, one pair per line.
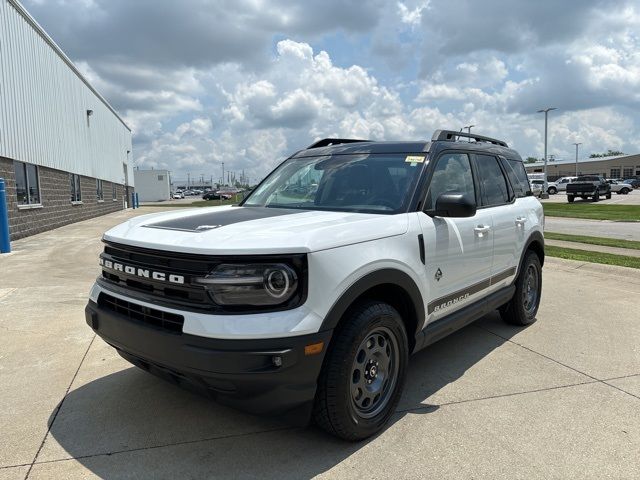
414, 159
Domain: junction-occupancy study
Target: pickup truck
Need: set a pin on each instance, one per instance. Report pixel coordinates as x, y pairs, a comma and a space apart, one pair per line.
588, 186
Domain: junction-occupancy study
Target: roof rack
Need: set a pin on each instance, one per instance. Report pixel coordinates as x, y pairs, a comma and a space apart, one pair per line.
325, 142
451, 136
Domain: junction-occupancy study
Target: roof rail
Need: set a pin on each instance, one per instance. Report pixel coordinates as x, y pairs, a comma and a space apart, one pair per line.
325, 142
451, 136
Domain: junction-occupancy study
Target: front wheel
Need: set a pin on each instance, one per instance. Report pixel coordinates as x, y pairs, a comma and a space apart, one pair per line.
570, 198
552, 191
364, 372
523, 307
608, 197
596, 197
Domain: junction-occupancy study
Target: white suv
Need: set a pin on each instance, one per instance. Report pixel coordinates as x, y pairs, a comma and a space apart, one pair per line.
308, 298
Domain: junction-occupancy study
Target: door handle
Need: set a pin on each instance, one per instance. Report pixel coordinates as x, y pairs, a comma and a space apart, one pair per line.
520, 221
481, 230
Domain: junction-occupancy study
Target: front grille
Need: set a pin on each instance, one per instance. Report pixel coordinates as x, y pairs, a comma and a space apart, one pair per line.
187, 294
170, 322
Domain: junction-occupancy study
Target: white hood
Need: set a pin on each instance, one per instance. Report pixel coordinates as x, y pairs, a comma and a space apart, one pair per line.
254, 230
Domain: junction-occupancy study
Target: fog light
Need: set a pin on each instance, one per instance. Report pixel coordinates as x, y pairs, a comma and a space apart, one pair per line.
276, 360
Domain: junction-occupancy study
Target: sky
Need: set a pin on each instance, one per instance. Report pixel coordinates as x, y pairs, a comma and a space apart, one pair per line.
249, 82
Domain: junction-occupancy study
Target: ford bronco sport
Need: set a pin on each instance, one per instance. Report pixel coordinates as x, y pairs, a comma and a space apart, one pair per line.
308, 298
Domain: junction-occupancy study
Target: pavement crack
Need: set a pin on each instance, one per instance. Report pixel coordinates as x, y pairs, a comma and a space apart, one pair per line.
165, 445
490, 397
58, 408
538, 353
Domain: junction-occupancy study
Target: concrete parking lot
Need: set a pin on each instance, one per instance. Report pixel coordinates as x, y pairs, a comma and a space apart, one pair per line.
632, 198
559, 399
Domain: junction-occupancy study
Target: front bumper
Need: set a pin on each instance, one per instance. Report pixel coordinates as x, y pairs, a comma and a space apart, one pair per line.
261, 376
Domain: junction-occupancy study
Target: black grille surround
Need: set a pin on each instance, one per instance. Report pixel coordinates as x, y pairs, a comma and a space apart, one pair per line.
170, 322
189, 295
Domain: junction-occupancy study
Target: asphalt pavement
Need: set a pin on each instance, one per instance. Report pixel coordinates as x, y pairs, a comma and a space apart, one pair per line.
558, 399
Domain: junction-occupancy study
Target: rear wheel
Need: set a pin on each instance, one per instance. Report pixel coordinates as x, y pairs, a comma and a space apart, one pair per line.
596, 197
364, 372
570, 198
624, 191
523, 307
608, 197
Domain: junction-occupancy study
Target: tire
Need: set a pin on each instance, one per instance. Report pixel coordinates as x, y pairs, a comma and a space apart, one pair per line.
624, 191
346, 403
552, 191
608, 197
570, 198
596, 197
523, 307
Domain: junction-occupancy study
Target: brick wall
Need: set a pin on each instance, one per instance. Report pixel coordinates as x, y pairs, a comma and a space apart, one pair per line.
55, 195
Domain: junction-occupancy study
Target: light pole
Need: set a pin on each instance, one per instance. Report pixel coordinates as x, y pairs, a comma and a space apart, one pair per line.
546, 115
468, 127
222, 174
576, 144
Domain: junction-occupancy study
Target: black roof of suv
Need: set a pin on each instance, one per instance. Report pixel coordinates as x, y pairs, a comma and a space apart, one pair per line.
441, 140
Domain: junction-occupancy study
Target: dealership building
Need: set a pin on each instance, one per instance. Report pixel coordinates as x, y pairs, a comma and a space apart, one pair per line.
619, 166
65, 153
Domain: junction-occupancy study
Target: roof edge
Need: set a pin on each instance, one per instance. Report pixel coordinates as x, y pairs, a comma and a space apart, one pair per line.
45, 36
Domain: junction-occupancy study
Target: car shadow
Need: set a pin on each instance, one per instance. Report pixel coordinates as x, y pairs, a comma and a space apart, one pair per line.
134, 425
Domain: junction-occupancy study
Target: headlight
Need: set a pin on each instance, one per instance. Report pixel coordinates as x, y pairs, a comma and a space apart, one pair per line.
251, 284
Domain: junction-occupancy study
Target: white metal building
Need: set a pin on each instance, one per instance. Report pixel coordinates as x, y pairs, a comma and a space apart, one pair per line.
65, 153
152, 185
619, 166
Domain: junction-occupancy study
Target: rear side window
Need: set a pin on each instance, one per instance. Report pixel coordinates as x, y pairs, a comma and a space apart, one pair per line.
517, 176
493, 185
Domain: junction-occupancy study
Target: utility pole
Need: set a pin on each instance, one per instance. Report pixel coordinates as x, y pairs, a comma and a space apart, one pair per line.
222, 173
188, 180
468, 127
576, 144
546, 115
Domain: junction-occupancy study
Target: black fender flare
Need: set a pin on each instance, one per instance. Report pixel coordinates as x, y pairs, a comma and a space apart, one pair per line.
369, 281
535, 238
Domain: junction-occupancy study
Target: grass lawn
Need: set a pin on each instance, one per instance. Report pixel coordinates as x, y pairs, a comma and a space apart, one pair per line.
593, 257
607, 242
595, 211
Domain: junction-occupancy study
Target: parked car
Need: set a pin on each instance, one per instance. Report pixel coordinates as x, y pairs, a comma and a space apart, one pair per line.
215, 196
588, 186
312, 307
619, 187
562, 183
177, 196
552, 188
634, 182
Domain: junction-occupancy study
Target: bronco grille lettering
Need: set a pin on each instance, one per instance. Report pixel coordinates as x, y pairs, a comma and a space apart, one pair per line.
141, 272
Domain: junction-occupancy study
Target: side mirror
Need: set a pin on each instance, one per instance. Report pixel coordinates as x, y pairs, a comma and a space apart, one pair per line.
453, 205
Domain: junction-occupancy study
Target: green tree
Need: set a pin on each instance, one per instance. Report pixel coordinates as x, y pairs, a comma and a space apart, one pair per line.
609, 153
531, 160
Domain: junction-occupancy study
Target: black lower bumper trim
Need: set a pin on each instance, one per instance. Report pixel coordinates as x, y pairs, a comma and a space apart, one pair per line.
262, 376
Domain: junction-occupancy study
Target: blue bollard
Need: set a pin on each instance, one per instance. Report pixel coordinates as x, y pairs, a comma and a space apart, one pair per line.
137, 200
5, 244
133, 200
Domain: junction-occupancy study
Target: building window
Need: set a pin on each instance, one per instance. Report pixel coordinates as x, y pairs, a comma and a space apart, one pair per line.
76, 195
99, 190
160, 178
637, 169
627, 172
27, 185
114, 191
615, 173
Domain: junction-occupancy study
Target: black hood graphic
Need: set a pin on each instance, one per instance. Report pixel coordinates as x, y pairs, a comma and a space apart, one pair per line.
211, 220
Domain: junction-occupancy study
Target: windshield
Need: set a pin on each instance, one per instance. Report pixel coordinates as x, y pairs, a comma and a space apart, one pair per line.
368, 183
